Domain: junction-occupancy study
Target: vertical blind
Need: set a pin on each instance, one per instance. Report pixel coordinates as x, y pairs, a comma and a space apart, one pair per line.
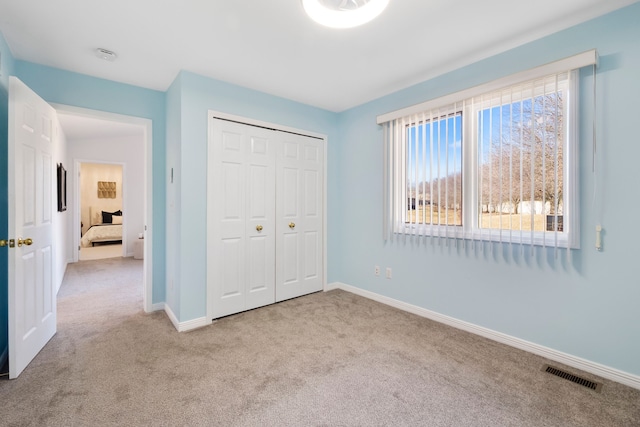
491, 163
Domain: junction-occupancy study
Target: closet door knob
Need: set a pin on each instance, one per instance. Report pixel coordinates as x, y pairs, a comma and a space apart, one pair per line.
292, 225
259, 228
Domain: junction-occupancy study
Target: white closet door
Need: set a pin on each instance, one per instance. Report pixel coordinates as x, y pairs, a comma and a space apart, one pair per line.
299, 183
241, 206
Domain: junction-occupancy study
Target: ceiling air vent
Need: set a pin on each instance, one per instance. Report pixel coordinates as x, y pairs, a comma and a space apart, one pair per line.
105, 54
573, 378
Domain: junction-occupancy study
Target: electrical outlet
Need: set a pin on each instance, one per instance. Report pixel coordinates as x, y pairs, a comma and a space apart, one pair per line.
377, 270
388, 272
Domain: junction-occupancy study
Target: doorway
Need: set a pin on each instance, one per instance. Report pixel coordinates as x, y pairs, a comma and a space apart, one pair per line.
103, 220
99, 137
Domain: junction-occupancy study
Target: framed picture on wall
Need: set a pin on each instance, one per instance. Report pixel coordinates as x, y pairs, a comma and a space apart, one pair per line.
62, 188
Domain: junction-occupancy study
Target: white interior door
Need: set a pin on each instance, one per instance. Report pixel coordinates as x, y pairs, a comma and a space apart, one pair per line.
241, 223
32, 302
299, 246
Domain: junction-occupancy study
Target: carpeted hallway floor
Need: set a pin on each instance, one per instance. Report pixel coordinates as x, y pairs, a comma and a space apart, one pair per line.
100, 252
327, 359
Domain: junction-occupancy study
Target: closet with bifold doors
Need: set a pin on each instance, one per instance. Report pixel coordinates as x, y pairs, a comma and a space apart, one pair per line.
265, 216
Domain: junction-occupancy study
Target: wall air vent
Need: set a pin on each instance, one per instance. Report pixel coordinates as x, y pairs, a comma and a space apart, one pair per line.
573, 378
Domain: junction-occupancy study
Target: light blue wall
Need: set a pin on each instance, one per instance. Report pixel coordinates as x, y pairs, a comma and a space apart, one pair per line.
200, 94
174, 134
588, 308
6, 69
64, 87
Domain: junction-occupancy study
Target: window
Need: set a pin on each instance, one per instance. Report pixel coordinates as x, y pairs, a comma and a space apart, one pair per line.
521, 145
491, 167
499, 165
434, 171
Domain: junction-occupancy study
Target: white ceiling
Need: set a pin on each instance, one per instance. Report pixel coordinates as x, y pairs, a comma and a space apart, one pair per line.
272, 46
79, 128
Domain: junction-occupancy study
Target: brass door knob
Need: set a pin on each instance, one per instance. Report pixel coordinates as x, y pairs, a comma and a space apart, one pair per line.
26, 241
292, 225
3, 243
259, 228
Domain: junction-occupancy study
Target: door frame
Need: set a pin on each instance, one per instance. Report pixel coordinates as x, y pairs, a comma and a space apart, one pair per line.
147, 125
77, 214
213, 114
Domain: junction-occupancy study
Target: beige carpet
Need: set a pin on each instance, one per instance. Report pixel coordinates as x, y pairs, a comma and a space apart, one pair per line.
327, 359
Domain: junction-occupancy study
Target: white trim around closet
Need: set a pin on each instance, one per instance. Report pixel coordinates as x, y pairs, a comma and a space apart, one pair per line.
212, 114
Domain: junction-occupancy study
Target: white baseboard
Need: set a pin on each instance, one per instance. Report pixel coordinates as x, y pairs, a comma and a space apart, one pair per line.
172, 317
157, 307
602, 371
189, 324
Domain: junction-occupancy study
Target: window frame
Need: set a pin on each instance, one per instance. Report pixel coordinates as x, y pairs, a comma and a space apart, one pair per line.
470, 165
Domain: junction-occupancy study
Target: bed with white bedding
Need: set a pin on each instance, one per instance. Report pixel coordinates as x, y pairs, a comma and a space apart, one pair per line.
105, 227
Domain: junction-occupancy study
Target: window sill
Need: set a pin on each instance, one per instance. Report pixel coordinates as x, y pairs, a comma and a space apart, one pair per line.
537, 238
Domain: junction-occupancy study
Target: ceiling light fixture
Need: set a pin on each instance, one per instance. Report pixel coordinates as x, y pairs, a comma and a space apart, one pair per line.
343, 13
105, 54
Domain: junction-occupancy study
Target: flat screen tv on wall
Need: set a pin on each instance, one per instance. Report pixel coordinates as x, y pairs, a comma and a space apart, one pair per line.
62, 188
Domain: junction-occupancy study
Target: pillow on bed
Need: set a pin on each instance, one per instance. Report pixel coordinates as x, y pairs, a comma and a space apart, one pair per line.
117, 219
107, 217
